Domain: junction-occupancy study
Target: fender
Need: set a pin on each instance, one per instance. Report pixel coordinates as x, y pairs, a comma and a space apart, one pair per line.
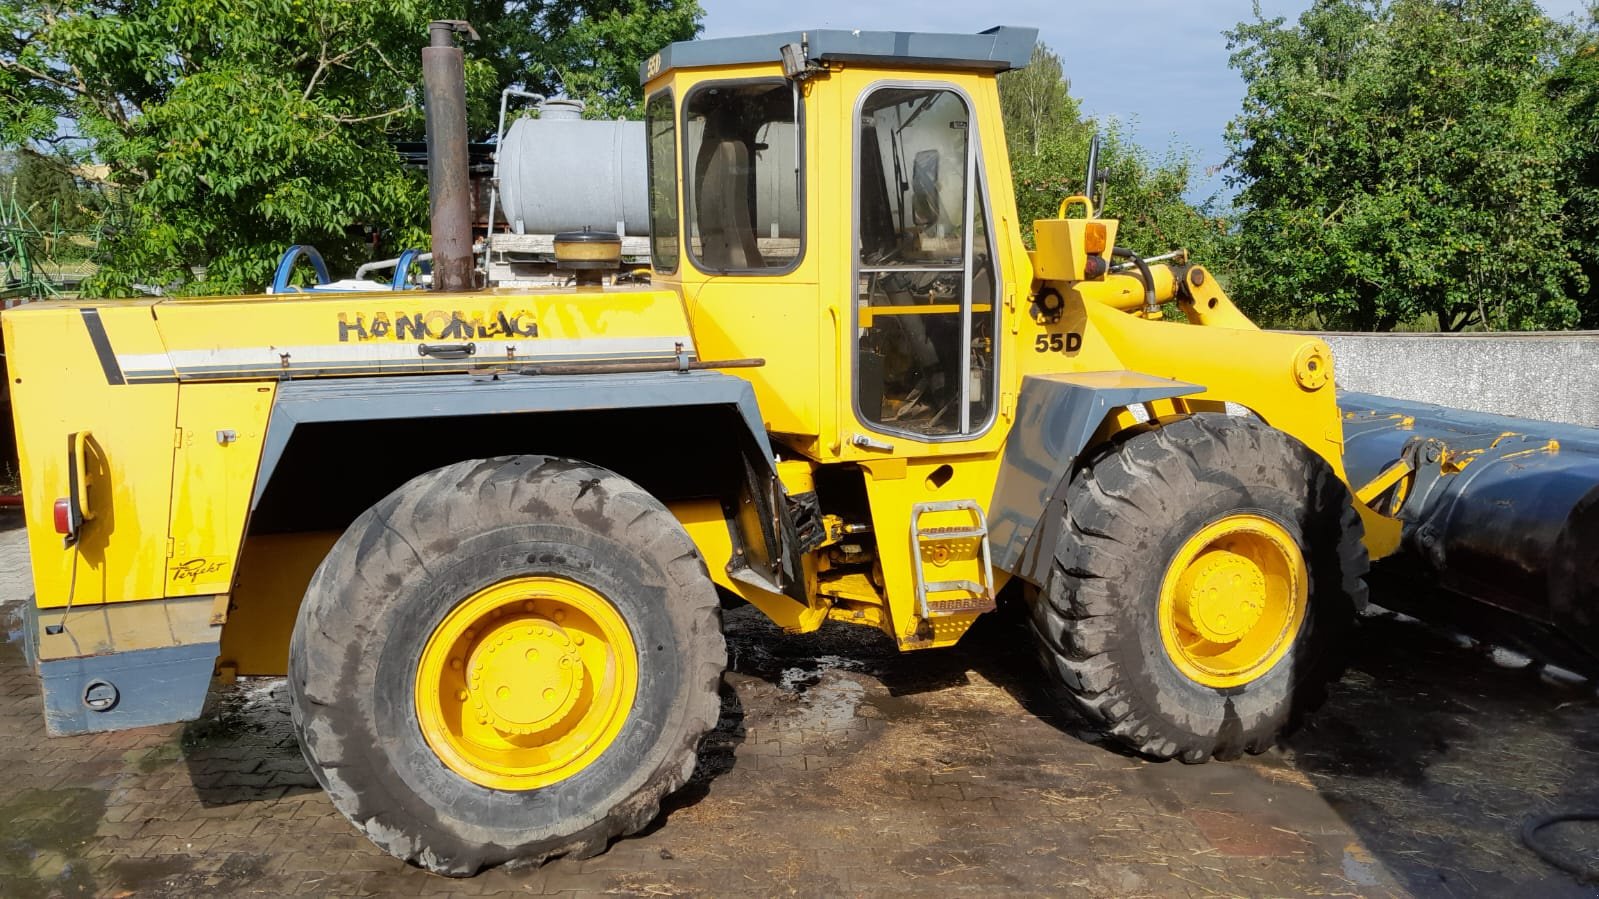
432, 397
1056, 415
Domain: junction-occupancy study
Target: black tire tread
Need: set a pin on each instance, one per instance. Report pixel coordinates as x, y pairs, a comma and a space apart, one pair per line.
428, 507
1075, 617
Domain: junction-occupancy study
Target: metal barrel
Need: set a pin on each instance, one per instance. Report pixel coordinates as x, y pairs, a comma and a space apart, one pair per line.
1516, 530
563, 174
449, 187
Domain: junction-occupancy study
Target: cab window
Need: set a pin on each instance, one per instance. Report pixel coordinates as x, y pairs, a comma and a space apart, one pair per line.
661, 126
924, 278
743, 177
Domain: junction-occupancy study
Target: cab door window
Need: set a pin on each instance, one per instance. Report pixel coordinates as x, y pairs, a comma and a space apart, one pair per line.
743, 172
924, 277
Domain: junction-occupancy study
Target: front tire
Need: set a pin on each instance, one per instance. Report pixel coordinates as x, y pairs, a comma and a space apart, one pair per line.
506, 659
1206, 576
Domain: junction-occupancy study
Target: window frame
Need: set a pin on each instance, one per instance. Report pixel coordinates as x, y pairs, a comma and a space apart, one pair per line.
800, 138
649, 163
976, 183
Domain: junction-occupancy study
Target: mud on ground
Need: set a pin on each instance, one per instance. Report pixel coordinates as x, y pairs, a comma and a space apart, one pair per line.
840, 767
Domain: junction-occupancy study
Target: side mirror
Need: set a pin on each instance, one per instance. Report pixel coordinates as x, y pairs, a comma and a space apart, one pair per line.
793, 60
796, 67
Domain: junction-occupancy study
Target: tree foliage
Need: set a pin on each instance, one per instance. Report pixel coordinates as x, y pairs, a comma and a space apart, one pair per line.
235, 127
46, 190
1400, 159
588, 49
1574, 88
1048, 137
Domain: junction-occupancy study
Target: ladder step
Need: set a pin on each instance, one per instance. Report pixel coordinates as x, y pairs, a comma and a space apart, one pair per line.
938, 607
952, 533
952, 586
979, 596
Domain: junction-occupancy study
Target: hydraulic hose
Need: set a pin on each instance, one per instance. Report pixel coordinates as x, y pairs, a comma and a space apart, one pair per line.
1151, 305
1529, 837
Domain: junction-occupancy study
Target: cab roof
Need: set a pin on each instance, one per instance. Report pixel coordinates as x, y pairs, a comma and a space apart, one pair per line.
998, 49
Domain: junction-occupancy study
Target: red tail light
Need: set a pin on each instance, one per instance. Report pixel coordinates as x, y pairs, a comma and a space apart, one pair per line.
63, 514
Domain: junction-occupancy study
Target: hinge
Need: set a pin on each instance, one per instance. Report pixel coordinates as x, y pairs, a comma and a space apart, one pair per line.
177, 438
172, 547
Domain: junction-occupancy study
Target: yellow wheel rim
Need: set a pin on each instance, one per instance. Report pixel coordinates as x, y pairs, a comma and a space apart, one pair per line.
1233, 600
526, 683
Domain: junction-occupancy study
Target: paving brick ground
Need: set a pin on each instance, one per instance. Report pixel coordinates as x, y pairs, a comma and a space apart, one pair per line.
842, 768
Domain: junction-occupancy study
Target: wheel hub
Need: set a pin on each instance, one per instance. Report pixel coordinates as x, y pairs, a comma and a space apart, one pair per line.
1221, 596
526, 682
1233, 600
525, 677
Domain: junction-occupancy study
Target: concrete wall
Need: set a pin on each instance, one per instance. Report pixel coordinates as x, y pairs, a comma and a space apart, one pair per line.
1549, 376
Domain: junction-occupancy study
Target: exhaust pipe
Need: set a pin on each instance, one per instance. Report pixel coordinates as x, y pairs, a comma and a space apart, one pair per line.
449, 185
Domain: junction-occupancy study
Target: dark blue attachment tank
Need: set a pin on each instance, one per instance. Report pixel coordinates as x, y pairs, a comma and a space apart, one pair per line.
1516, 528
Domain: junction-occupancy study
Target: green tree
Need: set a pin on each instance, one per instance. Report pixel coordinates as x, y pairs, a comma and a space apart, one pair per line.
587, 49
236, 127
1048, 138
1574, 86
1400, 161
48, 192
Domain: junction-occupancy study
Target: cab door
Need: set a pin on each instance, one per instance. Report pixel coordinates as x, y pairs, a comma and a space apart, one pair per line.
923, 276
748, 279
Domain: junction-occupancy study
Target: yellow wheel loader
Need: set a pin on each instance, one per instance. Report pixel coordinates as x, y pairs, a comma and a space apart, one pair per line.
487, 534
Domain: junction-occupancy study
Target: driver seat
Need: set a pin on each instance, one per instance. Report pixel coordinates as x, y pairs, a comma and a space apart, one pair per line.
722, 177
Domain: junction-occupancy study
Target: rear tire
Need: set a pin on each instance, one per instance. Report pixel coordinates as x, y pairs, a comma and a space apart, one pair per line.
514, 537
1157, 514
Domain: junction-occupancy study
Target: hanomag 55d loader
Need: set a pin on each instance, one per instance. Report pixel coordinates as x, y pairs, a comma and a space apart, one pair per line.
485, 532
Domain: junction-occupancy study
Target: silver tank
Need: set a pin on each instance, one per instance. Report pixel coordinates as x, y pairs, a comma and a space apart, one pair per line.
561, 173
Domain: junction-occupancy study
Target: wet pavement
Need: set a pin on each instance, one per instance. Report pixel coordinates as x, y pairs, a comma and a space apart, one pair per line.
841, 767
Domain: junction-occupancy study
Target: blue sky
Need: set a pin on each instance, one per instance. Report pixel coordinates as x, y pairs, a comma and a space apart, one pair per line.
1159, 65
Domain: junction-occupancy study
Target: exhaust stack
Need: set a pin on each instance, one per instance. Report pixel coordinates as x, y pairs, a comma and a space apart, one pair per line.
449, 188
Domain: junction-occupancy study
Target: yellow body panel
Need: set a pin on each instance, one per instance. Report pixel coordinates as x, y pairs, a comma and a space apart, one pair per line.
707, 526
155, 383
59, 387
379, 333
724, 315
105, 628
220, 429
274, 570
